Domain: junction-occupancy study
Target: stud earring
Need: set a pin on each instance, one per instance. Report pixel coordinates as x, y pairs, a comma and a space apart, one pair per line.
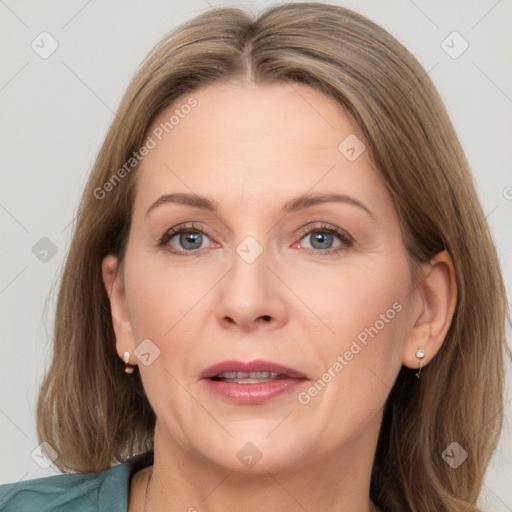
420, 355
128, 368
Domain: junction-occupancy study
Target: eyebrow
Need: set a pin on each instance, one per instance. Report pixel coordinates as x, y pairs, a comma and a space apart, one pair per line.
295, 204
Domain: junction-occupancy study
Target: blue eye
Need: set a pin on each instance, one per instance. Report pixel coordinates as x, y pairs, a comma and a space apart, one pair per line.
189, 240
322, 238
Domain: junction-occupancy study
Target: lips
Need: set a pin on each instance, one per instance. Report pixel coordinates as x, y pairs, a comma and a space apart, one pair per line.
255, 366
251, 383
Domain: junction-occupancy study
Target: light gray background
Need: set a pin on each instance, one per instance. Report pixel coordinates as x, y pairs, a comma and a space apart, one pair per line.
56, 112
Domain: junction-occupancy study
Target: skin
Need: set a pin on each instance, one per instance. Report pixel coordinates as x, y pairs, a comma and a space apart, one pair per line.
251, 148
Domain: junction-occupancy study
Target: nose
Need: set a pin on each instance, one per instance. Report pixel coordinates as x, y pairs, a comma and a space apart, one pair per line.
251, 297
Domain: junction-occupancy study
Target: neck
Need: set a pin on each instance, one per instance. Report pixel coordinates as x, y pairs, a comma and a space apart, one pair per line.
182, 480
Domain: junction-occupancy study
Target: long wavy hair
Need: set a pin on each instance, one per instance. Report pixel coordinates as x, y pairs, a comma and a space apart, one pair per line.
95, 415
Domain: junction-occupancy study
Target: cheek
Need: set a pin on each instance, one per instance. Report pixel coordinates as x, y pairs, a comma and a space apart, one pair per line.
163, 305
361, 357
369, 304
159, 296
365, 311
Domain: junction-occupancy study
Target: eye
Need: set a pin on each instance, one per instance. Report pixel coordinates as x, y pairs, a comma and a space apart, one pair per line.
321, 240
185, 239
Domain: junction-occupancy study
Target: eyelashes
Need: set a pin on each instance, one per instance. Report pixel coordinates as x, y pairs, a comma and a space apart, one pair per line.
187, 234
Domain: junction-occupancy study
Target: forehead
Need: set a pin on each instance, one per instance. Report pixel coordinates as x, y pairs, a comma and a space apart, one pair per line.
240, 116
246, 141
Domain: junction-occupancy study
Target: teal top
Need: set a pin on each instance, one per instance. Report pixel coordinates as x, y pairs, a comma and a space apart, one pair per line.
106, 491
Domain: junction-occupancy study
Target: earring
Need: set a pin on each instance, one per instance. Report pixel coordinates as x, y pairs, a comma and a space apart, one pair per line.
420, 355
128, 368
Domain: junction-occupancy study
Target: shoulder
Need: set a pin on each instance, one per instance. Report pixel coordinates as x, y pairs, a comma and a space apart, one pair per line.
106, 490
103, 491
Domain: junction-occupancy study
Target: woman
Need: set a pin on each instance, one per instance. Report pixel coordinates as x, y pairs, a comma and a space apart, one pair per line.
281, 293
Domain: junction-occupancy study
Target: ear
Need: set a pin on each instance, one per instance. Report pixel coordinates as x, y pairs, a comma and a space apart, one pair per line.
113, 281
435, 299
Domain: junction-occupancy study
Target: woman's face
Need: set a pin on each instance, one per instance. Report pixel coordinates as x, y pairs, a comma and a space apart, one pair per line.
320, 287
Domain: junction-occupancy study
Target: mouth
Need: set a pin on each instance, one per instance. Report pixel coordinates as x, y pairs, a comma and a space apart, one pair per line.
252, 372
251, 383
249, 378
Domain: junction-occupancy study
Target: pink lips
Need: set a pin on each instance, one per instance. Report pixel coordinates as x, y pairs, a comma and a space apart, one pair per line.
252, 394
257, 365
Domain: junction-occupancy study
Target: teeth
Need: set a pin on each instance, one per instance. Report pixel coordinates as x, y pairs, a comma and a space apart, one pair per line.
244, 375
247, 381
249, 378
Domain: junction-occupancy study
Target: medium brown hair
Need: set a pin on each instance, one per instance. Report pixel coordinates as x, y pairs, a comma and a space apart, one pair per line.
95, 415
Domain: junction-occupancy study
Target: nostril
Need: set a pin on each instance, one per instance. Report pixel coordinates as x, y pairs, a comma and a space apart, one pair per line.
266, 318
